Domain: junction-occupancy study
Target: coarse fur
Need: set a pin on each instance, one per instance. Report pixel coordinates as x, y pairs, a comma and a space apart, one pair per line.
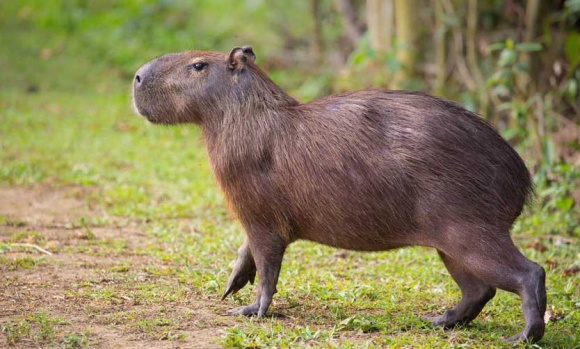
369, 170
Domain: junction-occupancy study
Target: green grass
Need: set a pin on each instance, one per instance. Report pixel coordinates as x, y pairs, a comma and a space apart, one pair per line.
39, 326
79, 130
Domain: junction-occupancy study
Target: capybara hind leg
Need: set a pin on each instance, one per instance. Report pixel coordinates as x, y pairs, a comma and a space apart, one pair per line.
474, 295
497, 262
244, 271
533, 294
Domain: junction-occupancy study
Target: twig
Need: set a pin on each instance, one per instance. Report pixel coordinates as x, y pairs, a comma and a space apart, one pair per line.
36, 247
565, 120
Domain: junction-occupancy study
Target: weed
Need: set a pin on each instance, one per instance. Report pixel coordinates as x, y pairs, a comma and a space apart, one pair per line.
89, 235
75, 340
31, 237
21, 262
15, 331
46, 324
11, 222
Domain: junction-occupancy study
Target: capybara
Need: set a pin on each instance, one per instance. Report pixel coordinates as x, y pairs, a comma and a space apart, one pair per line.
370, 170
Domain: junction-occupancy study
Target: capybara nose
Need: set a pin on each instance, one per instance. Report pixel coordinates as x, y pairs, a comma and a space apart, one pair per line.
143, 75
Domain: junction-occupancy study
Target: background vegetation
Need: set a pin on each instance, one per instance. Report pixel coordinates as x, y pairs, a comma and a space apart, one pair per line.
66, 123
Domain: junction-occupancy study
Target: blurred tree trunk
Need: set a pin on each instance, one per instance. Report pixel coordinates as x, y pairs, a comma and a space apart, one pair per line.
407, 30
472, 56
528, 58
458, 54
380, 23
353, 29
440, 48
471, 42
317, 45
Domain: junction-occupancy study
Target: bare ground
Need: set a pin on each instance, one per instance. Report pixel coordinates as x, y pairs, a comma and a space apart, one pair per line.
66, 284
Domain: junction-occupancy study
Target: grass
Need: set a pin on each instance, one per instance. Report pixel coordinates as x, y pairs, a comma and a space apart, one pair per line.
38, 326
78, 130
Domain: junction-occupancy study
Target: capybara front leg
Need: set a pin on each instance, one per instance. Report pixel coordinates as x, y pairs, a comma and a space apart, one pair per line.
268, 251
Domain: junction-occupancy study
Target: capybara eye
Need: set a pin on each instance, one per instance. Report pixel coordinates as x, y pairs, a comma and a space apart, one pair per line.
197, 66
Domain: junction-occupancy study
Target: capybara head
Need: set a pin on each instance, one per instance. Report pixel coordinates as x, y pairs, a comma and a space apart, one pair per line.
191, 86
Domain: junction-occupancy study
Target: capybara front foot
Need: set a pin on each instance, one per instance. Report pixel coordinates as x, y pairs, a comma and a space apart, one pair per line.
247, 310
268, 260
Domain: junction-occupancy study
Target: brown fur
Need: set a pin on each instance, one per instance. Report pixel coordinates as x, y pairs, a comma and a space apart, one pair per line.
369, 170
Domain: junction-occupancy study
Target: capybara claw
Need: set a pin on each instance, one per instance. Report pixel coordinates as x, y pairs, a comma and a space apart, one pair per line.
237, 281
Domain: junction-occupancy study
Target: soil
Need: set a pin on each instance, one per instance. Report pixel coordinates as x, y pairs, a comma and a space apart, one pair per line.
53, 284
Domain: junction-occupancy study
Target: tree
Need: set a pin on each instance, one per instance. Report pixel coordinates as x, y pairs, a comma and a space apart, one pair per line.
406, 34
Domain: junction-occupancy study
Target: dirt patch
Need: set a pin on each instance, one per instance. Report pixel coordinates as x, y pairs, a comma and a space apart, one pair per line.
41, 205
94, 287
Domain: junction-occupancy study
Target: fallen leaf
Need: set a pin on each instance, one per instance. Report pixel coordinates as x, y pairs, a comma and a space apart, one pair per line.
538, 246
570, 271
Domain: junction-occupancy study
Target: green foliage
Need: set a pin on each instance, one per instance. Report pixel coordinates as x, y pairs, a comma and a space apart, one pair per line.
15, 331
369, 68
363, 323
127, 34
505, 92
75, 340
557, 213
42, 328
572, 49
529, 116
123, 34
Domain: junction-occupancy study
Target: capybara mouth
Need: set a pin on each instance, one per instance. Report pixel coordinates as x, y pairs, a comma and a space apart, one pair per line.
142, 110
139, 109
147, 115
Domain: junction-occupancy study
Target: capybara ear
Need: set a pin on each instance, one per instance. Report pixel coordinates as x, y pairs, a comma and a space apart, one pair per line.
249, 52
239, 56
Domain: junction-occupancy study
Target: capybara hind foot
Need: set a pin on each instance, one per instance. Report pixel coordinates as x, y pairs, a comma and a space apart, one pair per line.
530, 334
474, 295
